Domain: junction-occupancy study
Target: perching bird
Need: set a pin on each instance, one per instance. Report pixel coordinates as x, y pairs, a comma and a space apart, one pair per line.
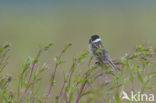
99, 52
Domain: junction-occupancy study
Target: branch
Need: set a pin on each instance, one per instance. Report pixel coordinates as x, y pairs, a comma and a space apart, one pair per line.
29, 79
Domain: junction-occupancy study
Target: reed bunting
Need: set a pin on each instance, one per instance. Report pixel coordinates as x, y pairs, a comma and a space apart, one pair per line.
99, 52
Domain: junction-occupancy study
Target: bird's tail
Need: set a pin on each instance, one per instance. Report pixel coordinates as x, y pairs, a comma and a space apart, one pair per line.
113, 65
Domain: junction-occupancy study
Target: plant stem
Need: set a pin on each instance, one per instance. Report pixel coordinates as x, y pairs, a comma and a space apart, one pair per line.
29, 79
53, 76
81, 90
61, 92
83, 85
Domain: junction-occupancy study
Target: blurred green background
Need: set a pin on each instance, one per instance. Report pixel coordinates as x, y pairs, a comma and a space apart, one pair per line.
27, 23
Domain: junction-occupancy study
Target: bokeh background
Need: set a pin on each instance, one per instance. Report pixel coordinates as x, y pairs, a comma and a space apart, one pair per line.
28, 23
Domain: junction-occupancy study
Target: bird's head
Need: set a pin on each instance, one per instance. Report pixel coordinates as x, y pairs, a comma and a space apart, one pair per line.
95, 38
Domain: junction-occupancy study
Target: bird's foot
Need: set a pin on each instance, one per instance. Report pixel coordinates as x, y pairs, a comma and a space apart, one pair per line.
97, 63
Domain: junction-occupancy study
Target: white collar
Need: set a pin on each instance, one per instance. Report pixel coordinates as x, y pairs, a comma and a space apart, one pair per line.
97, 40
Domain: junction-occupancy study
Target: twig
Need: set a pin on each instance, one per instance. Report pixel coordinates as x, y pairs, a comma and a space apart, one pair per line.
81, 89
90, 60
29, 79
53, 76
64, 97
61, 92
70, 77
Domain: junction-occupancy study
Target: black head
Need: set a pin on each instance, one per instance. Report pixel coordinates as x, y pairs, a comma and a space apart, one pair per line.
94, 37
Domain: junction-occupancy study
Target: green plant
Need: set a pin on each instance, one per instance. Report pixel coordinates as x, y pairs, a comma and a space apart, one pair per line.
85, 82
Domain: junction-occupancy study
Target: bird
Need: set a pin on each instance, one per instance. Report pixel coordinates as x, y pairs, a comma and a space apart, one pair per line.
99, 52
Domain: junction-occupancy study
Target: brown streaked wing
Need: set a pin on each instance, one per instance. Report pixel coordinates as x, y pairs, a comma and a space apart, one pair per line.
99, 55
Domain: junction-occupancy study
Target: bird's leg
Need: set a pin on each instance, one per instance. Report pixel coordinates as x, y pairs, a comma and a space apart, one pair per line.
98, 63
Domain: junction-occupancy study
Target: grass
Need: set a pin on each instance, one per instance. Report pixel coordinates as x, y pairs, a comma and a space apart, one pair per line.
95, 84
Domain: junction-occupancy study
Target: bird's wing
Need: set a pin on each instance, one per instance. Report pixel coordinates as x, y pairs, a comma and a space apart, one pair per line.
99, 51
102, 54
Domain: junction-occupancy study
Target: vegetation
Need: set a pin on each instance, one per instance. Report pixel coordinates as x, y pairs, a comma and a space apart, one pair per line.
95, 84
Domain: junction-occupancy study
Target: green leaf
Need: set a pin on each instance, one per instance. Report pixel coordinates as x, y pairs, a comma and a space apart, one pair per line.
131, 76
84, 80
52, 80
83, 55
117, 98
48, 46
151, 73
5, 46
135, 67
66, 76
67, 46
35, 61
60, 62
140, 77
73, 67
40, 69
87, 92
1, 50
